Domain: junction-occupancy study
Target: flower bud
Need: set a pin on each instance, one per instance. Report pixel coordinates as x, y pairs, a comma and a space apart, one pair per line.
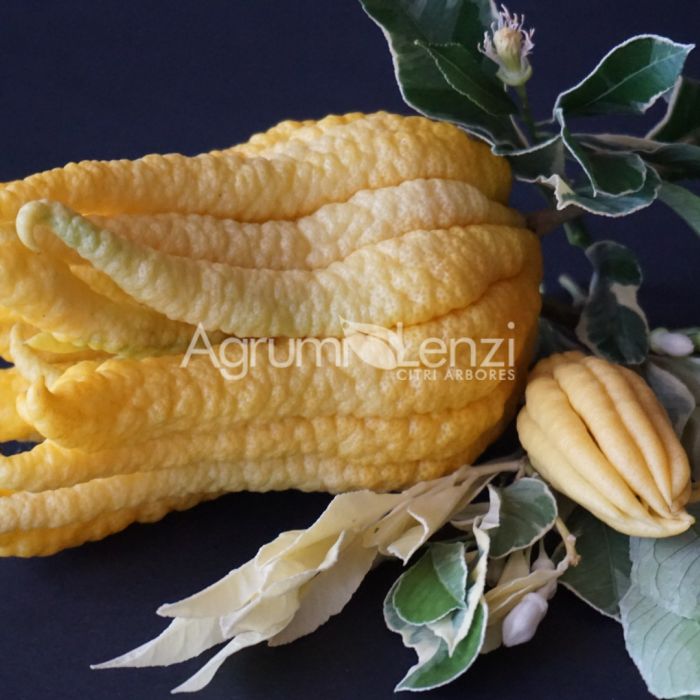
544, 562
521, 623
663, 342
508, 45
596, 432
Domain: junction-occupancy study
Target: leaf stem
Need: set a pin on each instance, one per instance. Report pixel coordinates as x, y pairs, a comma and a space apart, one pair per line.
544, 221
569, 541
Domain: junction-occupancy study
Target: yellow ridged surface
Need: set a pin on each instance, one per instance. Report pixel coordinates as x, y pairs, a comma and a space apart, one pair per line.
45, 294
312, 233
164, 397
385, 151
597, 433
12, 427
370, 441
421, 275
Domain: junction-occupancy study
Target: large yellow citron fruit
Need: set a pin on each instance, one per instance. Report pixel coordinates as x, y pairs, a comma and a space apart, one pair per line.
390, 235
597, 433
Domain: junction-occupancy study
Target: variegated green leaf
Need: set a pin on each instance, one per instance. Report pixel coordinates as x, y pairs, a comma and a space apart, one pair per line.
612, 324
434, 586
422, 84
673, 161
613, 173
527, 511
528, 164
602, 204
682, 119
629, 79
441, 667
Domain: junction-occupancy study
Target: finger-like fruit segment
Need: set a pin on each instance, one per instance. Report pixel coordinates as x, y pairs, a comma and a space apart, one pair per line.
332, 243
597, 433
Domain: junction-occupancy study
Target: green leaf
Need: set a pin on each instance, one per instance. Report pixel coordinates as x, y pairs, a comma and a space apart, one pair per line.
464, 73
673, 161
576, 233
673, 394
667, 570
422, 84
664, 646
527, 511
542, 159
441, 668
629, 79
602, 204
612, 324
682, 119
602, 577
434, 586
683, 202
448, 646
454, 627
613, 173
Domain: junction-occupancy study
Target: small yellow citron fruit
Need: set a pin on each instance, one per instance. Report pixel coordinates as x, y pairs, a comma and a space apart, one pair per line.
598, 434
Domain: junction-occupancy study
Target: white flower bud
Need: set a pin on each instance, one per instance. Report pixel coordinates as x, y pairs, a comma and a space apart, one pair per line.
521, 623
663, 342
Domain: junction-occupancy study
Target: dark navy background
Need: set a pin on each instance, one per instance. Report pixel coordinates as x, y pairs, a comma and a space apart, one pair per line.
109, 79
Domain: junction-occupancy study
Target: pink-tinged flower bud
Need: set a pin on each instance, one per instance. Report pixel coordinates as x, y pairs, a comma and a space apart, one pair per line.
664, 342
521, 623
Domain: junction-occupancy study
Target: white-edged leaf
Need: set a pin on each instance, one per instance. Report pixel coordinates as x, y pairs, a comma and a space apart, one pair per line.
442, 668
673, 161
527, 511
682, 119
609, 172
602, 204
453, 628
542, 159
434, 586
612, 324
629, 78
422, 84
